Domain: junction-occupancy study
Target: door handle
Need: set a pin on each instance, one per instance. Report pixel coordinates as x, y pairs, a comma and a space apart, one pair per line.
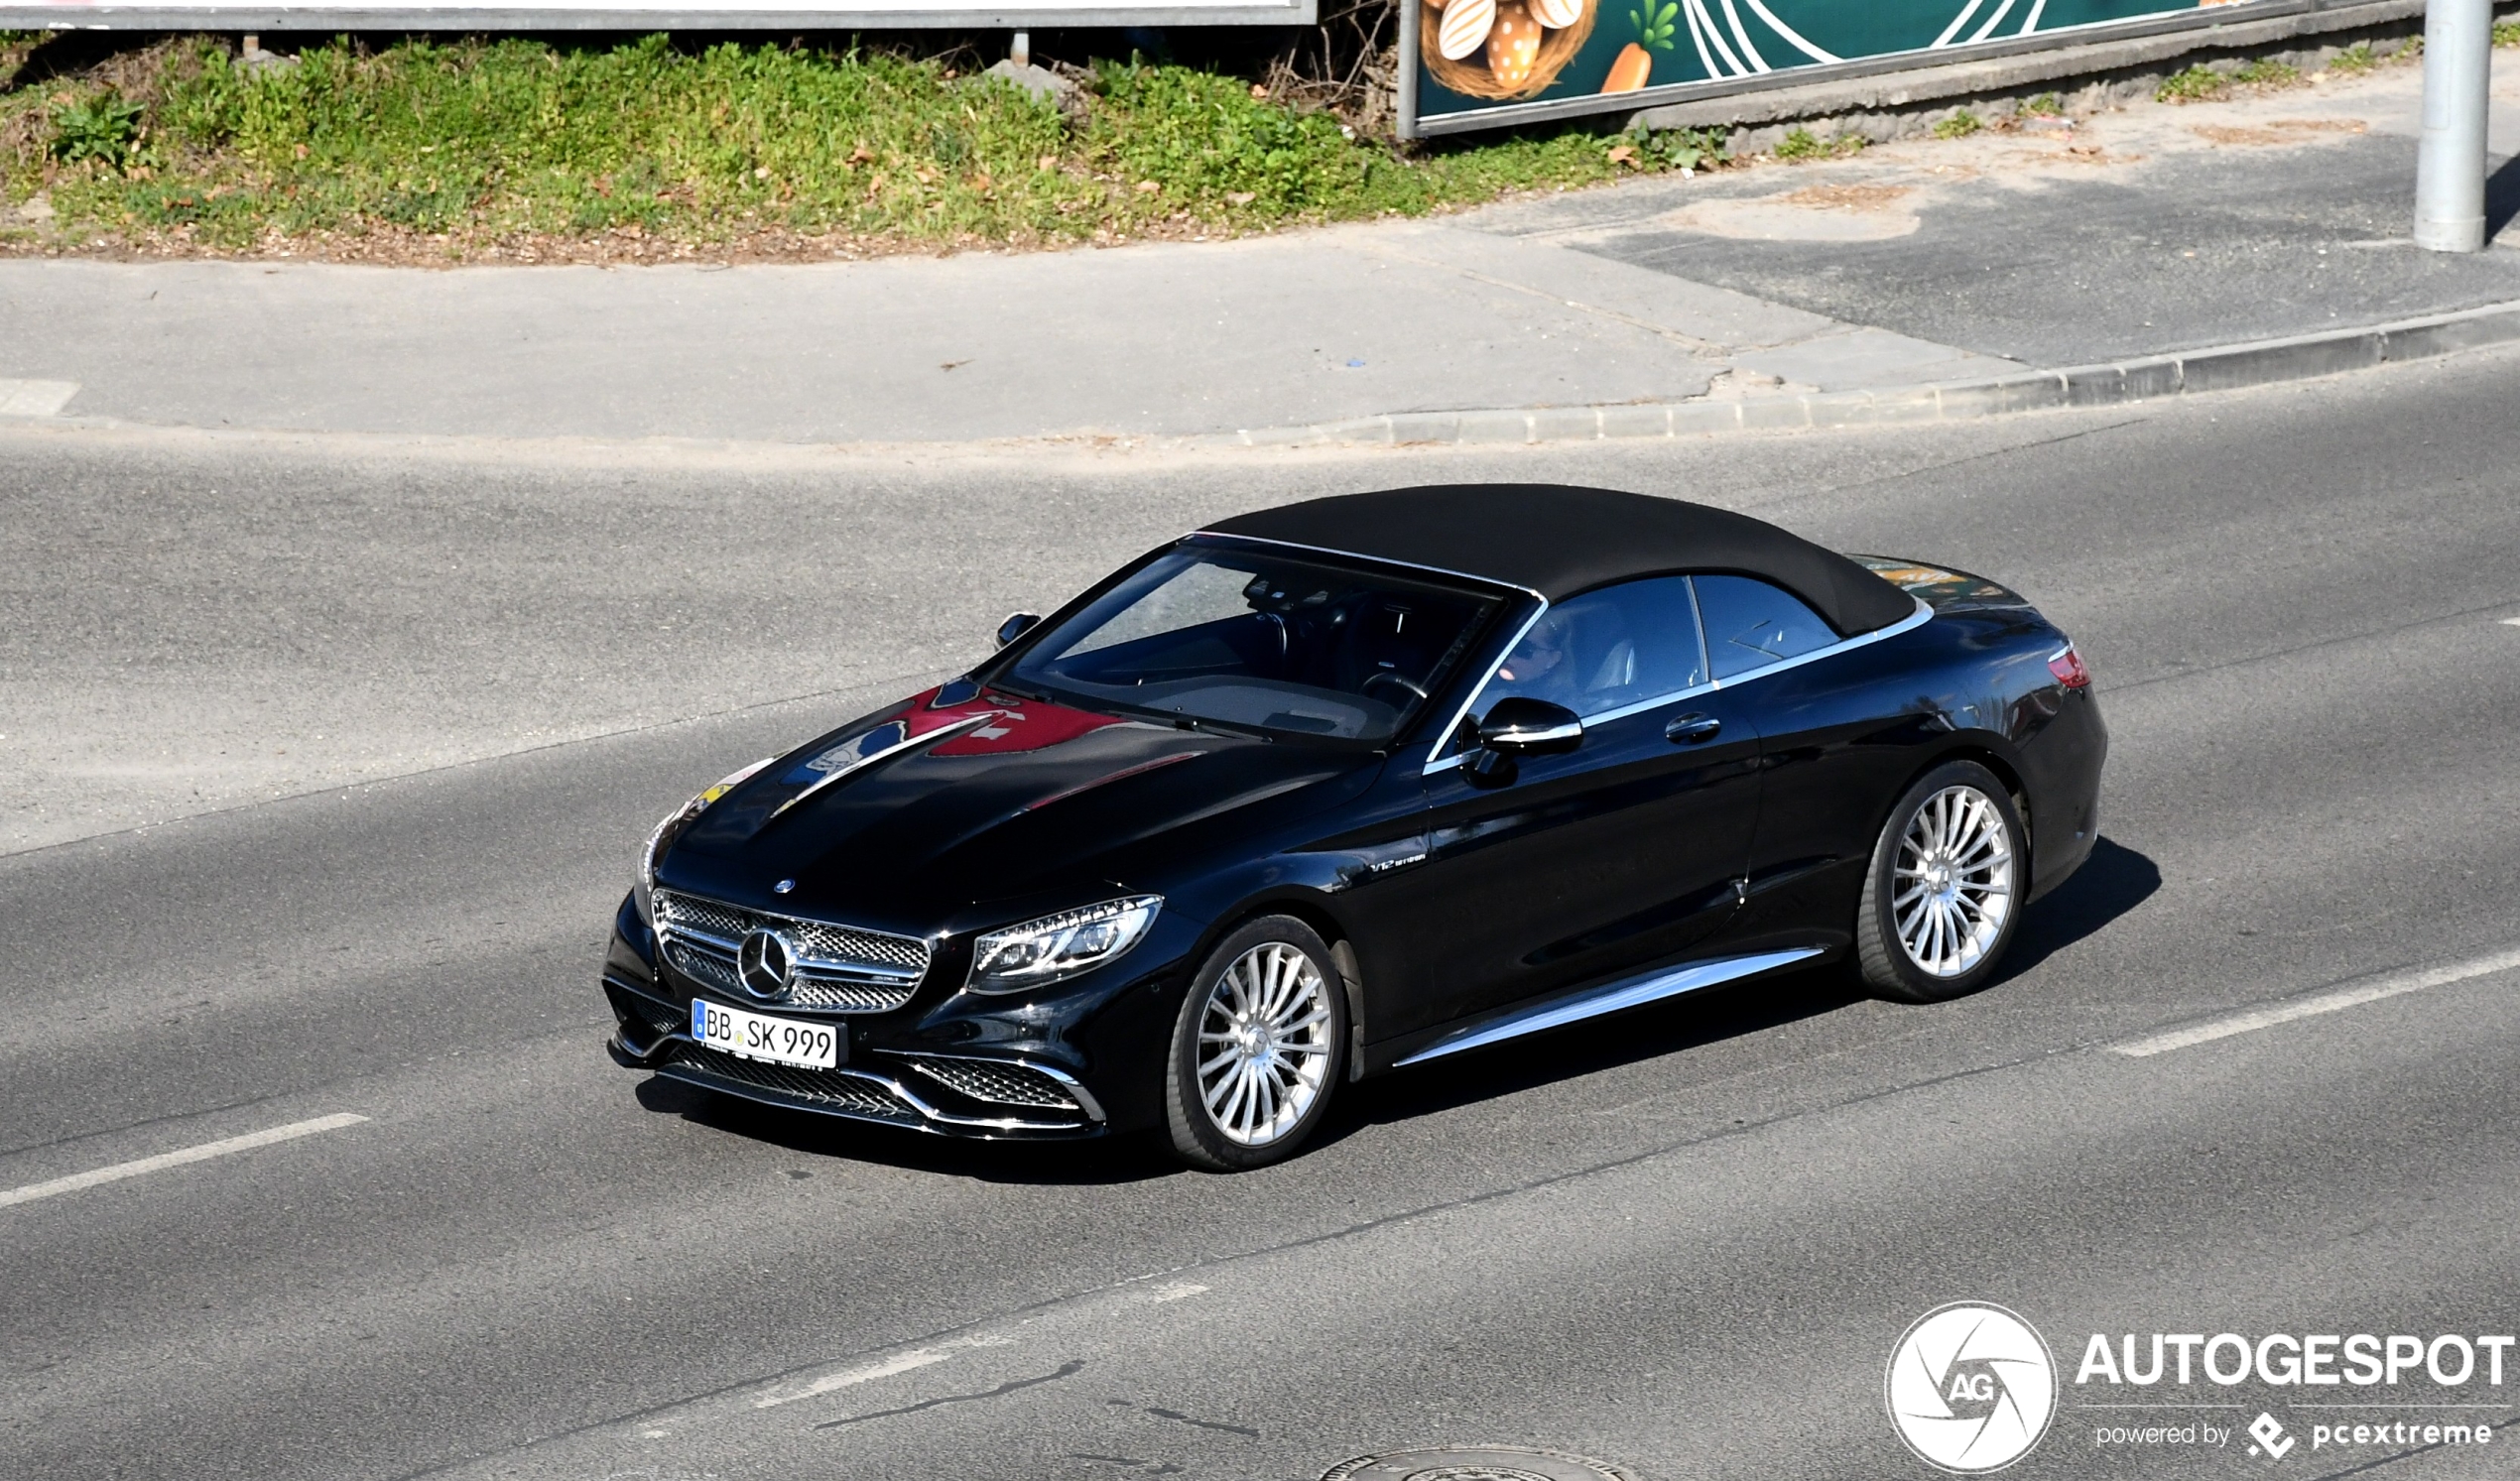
1693, 728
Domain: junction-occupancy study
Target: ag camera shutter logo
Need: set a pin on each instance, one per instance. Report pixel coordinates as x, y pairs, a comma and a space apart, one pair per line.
1972, 1388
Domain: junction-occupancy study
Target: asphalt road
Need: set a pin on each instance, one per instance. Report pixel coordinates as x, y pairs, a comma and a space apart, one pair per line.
1684, 1242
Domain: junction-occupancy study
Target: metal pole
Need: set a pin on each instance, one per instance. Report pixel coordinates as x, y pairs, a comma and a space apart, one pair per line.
1405, 104
2449, 162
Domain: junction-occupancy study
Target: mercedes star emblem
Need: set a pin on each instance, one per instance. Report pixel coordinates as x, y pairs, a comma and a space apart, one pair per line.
764, 963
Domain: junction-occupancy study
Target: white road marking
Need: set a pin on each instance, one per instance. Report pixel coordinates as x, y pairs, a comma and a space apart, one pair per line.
2511, 622
176, 1159
849, 1377
1178, 1291
2319, 1003
36, 397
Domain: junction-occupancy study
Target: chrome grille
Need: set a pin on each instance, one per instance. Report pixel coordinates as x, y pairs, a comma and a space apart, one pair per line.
838, 969
828, 1087
1004, 1084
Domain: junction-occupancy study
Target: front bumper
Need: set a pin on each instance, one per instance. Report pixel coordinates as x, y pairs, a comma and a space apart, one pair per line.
991, 1097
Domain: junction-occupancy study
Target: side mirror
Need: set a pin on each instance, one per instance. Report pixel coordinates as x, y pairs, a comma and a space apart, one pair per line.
1014, 627
1530, 727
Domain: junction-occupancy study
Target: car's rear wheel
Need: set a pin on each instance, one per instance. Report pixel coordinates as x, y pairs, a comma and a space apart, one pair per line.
1258, 1048
1946, 889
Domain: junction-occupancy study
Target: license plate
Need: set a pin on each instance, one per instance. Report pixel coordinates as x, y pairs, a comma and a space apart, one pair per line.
774, 1040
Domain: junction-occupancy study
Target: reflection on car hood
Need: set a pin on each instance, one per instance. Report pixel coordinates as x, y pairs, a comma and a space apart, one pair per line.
957, 798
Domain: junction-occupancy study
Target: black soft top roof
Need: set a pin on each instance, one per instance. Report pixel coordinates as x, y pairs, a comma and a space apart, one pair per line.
1558, 540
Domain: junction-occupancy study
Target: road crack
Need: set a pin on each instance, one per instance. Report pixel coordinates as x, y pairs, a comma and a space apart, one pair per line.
1065, 1370
1166, 1413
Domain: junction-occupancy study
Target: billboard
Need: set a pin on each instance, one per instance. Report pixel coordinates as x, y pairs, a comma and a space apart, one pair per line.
330, 17
1486, 64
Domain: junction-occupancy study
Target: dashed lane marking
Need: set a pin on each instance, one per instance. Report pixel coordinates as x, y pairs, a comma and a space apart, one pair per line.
179, 1157
2253, 1018
849, 1377
36, 397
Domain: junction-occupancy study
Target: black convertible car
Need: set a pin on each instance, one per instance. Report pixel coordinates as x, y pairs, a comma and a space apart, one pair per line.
1356, 783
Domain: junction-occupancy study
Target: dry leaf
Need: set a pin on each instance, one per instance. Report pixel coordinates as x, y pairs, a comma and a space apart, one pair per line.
1242, 198
1259, 93
1148, 188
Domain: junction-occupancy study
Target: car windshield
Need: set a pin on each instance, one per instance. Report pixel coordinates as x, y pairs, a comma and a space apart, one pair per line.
1290, 647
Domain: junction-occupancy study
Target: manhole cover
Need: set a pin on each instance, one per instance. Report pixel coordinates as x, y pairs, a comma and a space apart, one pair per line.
1474, 1463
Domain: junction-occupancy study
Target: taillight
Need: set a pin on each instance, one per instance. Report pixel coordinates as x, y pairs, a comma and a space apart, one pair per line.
2066, 666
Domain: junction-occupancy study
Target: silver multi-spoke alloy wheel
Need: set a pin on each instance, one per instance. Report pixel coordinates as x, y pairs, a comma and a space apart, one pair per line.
1265, 1038
1954, 882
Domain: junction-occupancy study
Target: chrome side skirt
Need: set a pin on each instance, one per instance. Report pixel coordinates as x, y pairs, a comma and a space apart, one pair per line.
1610, 998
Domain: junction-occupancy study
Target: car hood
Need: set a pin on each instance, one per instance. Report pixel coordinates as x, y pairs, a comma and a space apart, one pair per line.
952, 801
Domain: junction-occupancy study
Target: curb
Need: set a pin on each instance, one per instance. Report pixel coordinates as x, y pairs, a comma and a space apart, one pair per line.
2228, 367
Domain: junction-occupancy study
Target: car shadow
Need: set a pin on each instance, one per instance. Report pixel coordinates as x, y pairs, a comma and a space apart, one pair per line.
2112, 882
1588, 1047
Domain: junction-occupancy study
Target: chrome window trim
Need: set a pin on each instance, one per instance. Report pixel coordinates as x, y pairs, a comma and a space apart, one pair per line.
1910, 623
1697, 615
1453, 728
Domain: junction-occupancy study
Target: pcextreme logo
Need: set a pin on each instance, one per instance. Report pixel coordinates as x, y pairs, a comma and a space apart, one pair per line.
1972, 1388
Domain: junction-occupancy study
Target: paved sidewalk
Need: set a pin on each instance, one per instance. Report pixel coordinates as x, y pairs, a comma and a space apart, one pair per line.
2149, 231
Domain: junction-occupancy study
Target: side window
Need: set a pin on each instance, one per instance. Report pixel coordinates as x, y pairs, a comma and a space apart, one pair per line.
1605, 649
1751, 624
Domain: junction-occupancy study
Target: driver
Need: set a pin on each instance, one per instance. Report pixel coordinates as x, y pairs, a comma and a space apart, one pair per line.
1538, 668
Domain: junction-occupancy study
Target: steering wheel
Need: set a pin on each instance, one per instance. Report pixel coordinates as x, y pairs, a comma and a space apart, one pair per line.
1385, 676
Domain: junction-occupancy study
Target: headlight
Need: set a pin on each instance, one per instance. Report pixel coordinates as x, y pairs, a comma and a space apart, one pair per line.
643, 885
1060, 945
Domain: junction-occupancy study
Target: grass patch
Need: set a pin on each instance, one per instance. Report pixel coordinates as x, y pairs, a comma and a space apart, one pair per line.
2199, 82
1685, 150
2353, 60
1802, 144
476, 144
2043, 105
2507, 32
2192, 85
1958, 126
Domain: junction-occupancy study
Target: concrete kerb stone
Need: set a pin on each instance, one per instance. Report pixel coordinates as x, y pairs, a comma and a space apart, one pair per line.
2220, 368
2310, 355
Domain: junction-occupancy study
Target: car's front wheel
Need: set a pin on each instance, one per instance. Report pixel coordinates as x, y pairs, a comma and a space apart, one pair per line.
1944, 891
1258, 1048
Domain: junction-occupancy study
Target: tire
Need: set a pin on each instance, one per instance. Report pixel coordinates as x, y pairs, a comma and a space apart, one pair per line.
1266, 1084
1926, 931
